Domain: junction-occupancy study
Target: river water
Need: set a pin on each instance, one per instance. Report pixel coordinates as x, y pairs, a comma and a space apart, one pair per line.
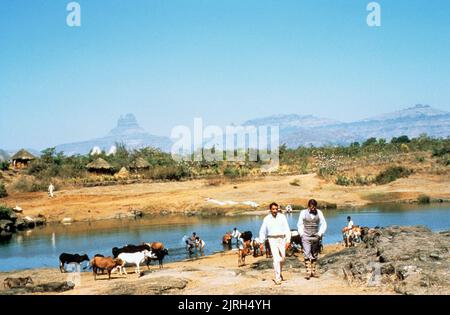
41, 247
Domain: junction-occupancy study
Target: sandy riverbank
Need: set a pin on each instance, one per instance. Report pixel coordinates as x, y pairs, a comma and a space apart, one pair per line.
97, 203
396, 259
216, 274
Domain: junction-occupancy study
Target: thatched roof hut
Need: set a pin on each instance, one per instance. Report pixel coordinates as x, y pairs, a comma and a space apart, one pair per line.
22, 158
139, 164
99, 166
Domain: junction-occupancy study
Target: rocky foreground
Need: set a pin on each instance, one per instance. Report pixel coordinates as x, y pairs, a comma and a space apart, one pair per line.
393, 260
408, 260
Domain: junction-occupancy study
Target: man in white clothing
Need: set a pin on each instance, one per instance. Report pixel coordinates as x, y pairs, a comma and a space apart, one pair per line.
311, 227
350, 223
236, 234
51, 188
276, 229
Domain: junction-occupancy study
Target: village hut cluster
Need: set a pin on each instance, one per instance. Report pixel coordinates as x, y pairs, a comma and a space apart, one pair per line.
22, 160
101, 167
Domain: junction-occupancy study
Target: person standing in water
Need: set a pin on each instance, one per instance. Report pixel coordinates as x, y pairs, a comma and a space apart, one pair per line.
350, 223
276, 229
311, 227
236, 234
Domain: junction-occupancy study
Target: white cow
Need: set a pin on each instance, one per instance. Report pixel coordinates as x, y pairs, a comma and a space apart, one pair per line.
134, 258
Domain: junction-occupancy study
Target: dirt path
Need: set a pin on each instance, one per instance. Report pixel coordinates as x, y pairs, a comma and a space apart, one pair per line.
176, 197
211, 275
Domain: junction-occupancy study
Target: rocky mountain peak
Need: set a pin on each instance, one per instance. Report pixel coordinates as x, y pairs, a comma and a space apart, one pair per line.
126, 125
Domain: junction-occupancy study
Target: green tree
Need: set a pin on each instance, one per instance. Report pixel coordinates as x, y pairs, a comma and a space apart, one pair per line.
370, 141
3, 192
400, 140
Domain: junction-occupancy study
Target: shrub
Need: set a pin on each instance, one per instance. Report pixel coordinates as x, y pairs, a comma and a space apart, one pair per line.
423, 199
391, 174
231, 172
5, 212
325, 172
358, 180
369, 141
4, 165
3, 192
401, 139
420, 159
404, 147
24, 184
343, 181
442, 150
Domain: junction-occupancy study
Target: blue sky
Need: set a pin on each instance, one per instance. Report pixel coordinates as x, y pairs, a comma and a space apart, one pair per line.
168, 61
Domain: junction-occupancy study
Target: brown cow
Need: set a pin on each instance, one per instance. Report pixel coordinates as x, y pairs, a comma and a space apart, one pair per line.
268, 251
226, 239
105, 263
242, 252
155, 246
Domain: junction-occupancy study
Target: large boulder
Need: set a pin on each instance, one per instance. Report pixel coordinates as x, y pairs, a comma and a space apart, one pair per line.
42, 288
408, 260
6, 225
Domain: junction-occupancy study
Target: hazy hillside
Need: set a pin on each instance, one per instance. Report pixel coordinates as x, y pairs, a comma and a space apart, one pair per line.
295, 130
308, 130
127, 131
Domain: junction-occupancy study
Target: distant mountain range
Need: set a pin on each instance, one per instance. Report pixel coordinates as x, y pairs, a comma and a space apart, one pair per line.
308, 130
127, 132
295, 130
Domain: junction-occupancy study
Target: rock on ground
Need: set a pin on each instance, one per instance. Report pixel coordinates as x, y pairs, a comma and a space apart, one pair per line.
409, 260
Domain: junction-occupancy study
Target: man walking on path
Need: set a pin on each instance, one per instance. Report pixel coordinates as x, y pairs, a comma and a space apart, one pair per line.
311, 227
51, 188
276, 229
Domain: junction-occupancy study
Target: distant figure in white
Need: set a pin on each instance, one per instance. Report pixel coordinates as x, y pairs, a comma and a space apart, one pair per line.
350, 223
51, 189
199, 243
288, 209
276, 229
236, 234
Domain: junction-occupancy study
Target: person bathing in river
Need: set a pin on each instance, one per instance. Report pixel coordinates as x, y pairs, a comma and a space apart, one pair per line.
200, 244
236, 234
276, 229
349, 223
311, 227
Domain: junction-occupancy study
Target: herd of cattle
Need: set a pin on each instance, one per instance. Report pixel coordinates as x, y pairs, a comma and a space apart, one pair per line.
148, 252
129, 254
